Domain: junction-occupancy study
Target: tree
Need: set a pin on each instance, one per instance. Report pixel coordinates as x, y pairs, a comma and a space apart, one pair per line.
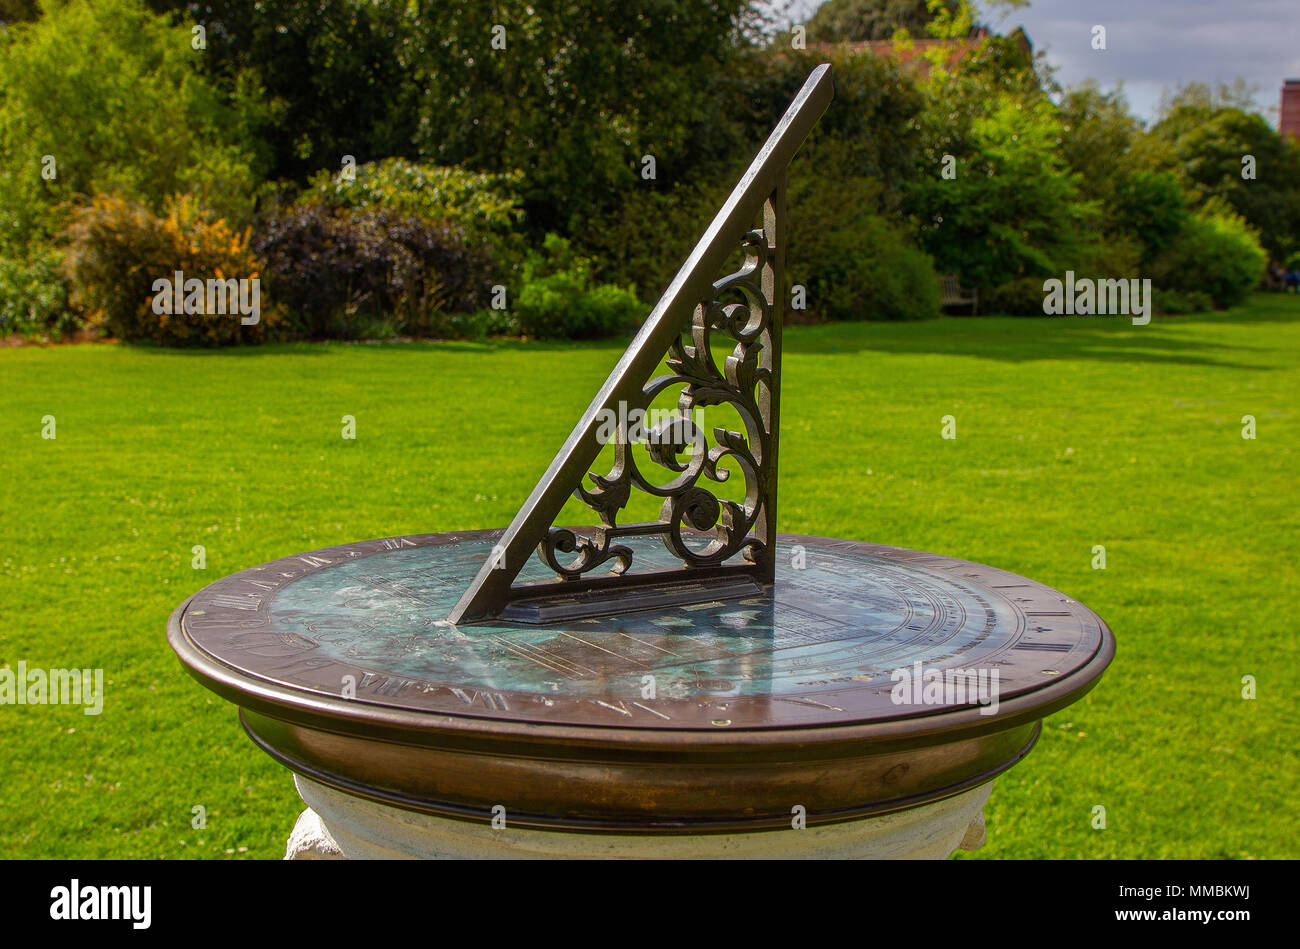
1222, 151
16, 11
993, 196
106, 97
333, 72
1098, 134
574, 93
838, 21
1117, 167
1013, 208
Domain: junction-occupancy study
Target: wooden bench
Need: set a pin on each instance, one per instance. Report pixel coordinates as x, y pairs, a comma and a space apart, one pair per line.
954, 295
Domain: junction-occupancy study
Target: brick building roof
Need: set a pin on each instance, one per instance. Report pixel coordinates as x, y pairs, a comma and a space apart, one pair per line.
914, 55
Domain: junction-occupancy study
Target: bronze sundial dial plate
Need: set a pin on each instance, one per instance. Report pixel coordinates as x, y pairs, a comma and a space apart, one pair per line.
820, 651
352, 641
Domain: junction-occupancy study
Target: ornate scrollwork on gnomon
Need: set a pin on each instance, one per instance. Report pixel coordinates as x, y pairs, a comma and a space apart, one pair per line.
739, 315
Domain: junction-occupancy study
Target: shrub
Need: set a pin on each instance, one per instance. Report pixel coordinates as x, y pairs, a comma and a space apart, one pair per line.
1171, 301
478, 325
853, 263
483, 207
862, 150
558, 297
1014, 208
857, 267
1120, 256
616, 240
351, 273
1023, 297
33, 296
1152, 207
1215, 253
117, 249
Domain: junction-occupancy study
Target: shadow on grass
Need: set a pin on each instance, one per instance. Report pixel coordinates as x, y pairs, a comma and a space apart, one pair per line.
409, 346
1009, 339
1262, 307
1027, 339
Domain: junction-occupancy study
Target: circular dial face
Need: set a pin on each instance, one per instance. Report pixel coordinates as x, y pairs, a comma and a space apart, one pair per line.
852, 632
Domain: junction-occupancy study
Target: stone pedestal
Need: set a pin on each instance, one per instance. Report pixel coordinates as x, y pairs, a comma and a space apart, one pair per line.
339, 826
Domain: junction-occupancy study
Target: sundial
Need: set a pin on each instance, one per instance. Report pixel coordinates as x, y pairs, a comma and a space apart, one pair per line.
689, 671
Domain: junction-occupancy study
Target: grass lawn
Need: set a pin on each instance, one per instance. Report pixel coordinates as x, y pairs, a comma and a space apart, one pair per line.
1071, 433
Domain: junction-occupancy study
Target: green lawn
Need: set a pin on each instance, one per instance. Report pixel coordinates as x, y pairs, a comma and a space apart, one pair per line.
1071, 433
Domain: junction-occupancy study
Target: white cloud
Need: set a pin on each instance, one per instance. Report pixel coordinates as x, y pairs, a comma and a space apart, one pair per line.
1154, 45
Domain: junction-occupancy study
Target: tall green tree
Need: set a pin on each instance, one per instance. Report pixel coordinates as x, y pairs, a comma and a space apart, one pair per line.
993, 196
333, 72
838, 21
16, 11
575, 93
104, 96
1223, 151
1119, 169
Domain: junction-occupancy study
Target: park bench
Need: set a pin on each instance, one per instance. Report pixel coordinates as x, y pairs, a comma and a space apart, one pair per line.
953, 294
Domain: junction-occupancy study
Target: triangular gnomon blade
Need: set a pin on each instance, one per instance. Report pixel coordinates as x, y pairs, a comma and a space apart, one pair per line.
731, 551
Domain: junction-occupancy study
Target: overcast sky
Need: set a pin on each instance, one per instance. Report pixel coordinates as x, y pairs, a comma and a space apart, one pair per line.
1156, 44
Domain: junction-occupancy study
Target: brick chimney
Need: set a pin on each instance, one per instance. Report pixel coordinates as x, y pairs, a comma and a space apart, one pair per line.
1289, 118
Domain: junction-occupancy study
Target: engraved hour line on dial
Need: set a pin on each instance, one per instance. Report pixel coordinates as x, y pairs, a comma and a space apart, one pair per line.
804, 700
617, 655
546, 660
394, 588
646, 708
651, 645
